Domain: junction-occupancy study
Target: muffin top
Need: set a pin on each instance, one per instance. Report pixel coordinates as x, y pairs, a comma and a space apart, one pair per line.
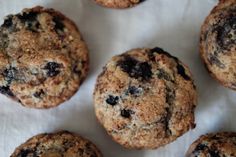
145, 98
214, 145
218, 43
59, 144
43, 58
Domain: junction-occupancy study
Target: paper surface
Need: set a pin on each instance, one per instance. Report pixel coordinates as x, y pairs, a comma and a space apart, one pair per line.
171, 24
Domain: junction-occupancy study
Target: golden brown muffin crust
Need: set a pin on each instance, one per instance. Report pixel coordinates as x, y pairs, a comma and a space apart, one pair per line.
218, 43
214, 145
59, 144
145, 98
43, 58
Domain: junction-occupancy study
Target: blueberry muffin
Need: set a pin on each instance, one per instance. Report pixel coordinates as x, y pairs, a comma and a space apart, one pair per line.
118, 3
214, 145
43, 58
60, 144
218, 43
145, 98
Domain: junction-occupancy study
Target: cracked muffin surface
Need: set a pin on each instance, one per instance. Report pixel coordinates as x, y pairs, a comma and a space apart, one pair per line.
59, 144
43, 58
118, 3
214, 145
145, 98
218, 43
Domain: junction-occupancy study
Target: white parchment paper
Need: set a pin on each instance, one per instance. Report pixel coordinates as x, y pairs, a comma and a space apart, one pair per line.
171, 24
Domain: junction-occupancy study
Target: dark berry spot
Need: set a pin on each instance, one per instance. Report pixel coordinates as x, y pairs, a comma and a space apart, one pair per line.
153, 51
112, 100
200, 147
182, 72
6, 91
10, 74
214, 153
226, 34
135, 68
28, 16
27, 153
4, 42
162, 74
126, 113
39, 94
8, 22
76, 70
135, 91
161, 51
59, 25
30, 20
157, 50
213, 59
127, 64
52, 68
32, 26
142, 70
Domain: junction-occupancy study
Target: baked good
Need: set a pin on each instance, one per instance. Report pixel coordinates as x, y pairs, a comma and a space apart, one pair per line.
218, 43
118, 3
145, 98
59, 144
43, 58
214, 145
